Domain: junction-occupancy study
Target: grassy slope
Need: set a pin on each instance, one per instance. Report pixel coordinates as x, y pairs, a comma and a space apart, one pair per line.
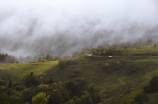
15, 71
139, 51
117, 86
144, 50
116, 83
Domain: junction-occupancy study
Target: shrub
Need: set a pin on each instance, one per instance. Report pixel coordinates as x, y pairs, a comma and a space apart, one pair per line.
154, 83
91, 88
70, 102
49, 81
62, 63
56, 97
19, 87
40, 98
107, 64
118, 62
77, 100
43, 60
72, 87
131, 71
140, 98
148, 89
32, 62
27, 95
41, 74
30, 80
111, 52
96, 98
2, 88
70, 62
2, 82
86, 98
31, 73
3, 98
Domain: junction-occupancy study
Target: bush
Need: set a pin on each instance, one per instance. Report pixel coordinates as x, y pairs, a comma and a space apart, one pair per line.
107, 64
91, 88
70, 102
41, 74
118, 62
2, 82
3, 98
140, 98
62, 63
70, 62
148, 89
30, 80
154, 83
96, 98
71, 87
49, 81
27, 94
86, 98
40, 98
19, 87
56, 97
43, 60
111, 52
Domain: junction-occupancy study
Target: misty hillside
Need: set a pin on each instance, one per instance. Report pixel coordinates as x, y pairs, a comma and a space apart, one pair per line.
98, 79
78, 52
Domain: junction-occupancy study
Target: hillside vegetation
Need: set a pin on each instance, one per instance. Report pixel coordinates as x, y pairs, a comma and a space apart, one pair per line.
120, 79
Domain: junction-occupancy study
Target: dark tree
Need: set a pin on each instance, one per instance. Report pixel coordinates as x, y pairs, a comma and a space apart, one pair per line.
39, 59
140, 98
50, 81
154, 83
48, 57
31, 73
9, 88
31, 81
10, 83
148, 89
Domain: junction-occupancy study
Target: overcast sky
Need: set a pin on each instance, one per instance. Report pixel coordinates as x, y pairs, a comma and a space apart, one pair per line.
59, 27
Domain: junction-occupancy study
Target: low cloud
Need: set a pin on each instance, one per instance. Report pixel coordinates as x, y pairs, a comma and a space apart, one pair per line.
60, 27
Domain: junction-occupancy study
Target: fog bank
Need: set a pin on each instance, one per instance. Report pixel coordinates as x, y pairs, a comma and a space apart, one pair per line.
60, 27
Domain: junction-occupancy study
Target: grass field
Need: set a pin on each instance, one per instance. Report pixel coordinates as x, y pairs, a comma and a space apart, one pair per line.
14, 71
